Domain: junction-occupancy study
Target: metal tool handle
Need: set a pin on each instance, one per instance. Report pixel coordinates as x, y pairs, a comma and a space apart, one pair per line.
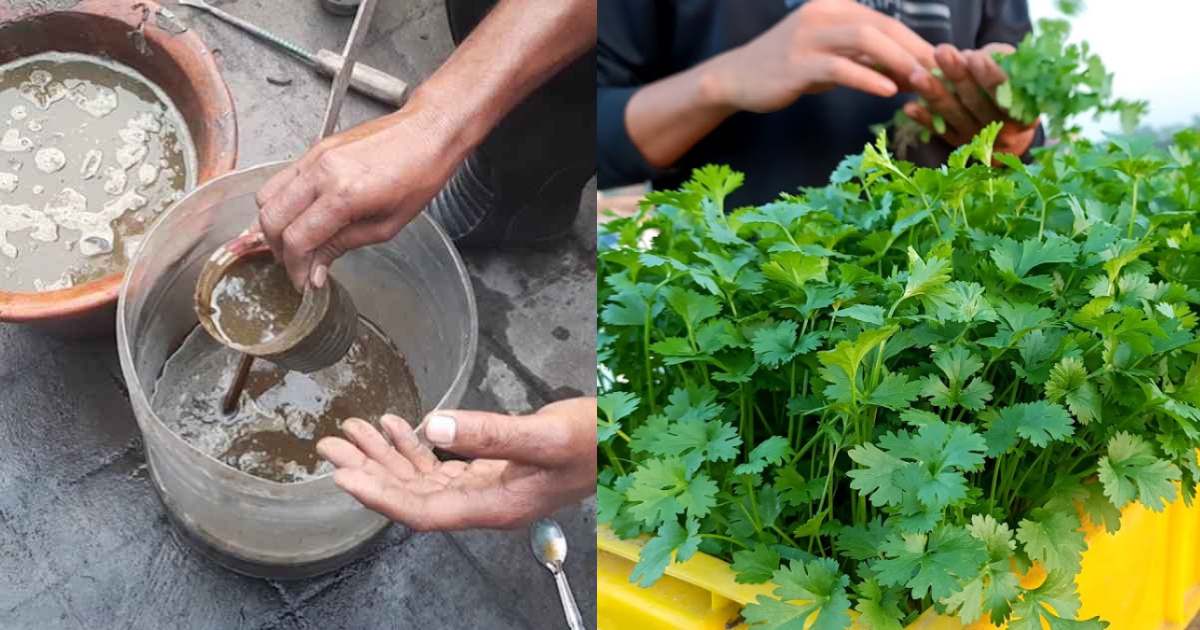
341, 79
377, 84
570, 608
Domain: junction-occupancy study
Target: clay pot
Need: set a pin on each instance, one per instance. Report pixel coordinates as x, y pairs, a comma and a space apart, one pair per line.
143, 36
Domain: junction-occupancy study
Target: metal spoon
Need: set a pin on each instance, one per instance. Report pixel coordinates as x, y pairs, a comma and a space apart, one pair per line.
550, 548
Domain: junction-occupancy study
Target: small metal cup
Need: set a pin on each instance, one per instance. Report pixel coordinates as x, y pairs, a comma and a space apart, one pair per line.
320, 334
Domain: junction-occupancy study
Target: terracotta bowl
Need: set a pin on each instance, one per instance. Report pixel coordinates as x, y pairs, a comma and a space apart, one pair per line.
143, 36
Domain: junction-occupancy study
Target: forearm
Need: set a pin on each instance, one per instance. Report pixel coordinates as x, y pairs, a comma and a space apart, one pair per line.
668, 117
519, 46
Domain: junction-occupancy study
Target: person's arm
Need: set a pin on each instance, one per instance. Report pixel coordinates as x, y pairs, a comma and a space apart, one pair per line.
364, 185
823, 44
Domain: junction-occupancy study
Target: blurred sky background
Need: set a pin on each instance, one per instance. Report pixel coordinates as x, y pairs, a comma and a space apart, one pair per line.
1147, 45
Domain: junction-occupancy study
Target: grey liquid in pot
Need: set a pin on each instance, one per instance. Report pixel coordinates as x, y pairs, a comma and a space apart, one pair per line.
282, 414
90, 153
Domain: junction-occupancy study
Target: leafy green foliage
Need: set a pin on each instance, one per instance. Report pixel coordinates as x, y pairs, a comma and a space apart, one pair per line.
895, 391
1131, 470
814, 590
1061, 80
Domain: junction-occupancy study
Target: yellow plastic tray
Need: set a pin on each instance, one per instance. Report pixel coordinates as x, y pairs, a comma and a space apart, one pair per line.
1144, 577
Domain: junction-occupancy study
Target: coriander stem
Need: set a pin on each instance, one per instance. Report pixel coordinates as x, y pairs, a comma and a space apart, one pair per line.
725, 539
1133, 206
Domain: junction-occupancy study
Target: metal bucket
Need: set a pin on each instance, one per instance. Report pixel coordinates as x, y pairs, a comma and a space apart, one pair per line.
414, 287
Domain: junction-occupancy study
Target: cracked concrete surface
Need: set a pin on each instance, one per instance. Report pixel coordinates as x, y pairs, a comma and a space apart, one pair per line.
84, 542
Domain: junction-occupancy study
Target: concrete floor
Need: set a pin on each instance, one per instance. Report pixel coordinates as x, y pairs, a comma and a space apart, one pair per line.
84, 542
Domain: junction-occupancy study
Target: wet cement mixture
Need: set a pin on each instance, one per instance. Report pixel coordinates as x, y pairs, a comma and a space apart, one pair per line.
90, 153
282, 414
254, 301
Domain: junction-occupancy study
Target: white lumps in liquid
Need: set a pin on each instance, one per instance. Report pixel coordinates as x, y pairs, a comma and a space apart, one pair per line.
90, 152
130, 154
147, 174
91, 164
23, 217
97, 100
13, 142
50, 160
114, 180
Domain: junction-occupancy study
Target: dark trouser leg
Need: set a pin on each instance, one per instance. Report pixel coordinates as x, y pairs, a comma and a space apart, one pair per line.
522, 185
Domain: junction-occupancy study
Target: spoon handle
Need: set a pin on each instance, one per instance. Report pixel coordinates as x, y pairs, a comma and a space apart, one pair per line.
574, 619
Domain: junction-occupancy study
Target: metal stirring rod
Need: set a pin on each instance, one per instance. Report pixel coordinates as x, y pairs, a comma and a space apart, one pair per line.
377, 84
337, 94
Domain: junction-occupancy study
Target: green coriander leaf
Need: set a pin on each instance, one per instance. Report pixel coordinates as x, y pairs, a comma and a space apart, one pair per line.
927, 465
936, 564
1039, 422
1015, 260
811, 596
775, 344
697, 442
671, 542
755, 565
662, 489
717, 334
863, 542
693, 404
608, 503
794, 490
865, 313
1053, 538
691, 306
958, 365
879, 608
1054, 602
1069, 383
925, 276
625, 309
615, 406
895, 392
769, 452
795, 269
1132, 471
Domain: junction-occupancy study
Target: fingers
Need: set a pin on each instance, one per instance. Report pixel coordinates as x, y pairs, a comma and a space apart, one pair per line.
941, 101
919, 114
978, 103
984, 69
359, 234
306, 232
544, 440
343, 454
867, 40
842, 71
449, 509
408, 444
896, 31
278, 211
376, 447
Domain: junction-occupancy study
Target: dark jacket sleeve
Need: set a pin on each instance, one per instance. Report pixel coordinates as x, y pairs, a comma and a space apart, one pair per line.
627, 58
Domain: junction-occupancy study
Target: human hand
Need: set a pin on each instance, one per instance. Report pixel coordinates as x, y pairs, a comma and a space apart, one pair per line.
356, 188
529, 466
970, 106
821, 45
